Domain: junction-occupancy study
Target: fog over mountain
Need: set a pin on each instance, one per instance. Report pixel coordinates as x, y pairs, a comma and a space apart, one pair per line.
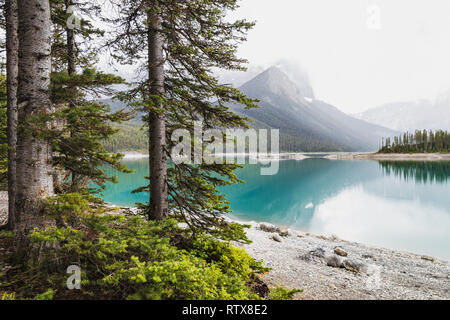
412, 115
287, 102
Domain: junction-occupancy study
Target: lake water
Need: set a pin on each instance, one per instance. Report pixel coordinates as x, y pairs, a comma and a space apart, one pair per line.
398, 205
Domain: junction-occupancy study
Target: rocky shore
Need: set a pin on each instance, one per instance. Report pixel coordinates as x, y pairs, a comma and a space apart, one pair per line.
391, 156
331, 268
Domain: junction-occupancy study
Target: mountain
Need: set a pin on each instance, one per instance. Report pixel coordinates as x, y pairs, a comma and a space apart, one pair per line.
411, 115
305, 123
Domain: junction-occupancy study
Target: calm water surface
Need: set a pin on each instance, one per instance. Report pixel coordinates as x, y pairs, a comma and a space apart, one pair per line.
396, 205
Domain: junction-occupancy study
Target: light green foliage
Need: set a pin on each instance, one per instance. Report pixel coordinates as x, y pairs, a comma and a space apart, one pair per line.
227, 257
8, 296
6, 234
67, 204
280, 293
47, 295
132, 258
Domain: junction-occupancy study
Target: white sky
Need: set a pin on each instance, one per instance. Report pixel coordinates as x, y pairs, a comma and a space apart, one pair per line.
351, 65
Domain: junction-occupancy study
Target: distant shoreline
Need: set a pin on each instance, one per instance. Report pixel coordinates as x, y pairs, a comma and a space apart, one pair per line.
133, 155
392, 156
130, 155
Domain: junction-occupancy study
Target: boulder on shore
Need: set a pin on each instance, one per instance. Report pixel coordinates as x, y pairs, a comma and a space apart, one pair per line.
275, 237
340, 252
334, 261
355, 266
268, 228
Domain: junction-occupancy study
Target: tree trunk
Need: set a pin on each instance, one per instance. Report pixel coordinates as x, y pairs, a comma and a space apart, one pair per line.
71, 54
157, 125
77, 181
12, 67
34, 155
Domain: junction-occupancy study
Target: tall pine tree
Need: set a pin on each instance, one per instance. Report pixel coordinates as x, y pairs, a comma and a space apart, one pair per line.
193, 39
81, 122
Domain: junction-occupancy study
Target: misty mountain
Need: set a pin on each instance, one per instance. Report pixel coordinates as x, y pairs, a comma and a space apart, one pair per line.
287, 102
306, 124
411, 115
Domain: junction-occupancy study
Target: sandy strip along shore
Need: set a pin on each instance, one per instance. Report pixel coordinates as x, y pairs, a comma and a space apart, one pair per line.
392, 156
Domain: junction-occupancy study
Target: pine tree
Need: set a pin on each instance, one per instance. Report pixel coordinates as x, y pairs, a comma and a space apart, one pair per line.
421, 141
196, 39
82, 124
425, 140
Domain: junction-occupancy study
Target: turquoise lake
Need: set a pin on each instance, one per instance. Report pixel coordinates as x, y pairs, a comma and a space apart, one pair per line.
398, 205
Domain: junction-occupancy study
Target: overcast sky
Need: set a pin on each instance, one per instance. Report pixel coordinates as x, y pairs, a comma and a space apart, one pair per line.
358, 53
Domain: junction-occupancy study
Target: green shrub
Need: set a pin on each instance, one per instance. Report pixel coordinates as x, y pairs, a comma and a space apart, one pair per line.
47, 295
132, 258
227, 257
6, 234
280, 293
8, 296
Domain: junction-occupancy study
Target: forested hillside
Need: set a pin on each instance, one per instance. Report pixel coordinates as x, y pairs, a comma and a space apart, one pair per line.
130, 135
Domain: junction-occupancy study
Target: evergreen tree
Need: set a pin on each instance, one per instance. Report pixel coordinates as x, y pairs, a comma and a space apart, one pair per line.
196, 39
80, 123
421, 141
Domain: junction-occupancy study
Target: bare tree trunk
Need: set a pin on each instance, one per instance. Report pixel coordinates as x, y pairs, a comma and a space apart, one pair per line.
157, 125
34, 155
77, 181
71, 54
12, 67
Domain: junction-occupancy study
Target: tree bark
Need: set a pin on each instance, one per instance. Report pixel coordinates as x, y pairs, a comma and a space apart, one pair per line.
157, 125
34, 154
71, 54
71, 70
12, 69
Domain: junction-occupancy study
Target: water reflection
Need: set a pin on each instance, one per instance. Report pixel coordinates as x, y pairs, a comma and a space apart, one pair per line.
422, 172
410, 225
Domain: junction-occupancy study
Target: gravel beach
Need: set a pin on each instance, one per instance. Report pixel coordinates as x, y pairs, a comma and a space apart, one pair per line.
331, 268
